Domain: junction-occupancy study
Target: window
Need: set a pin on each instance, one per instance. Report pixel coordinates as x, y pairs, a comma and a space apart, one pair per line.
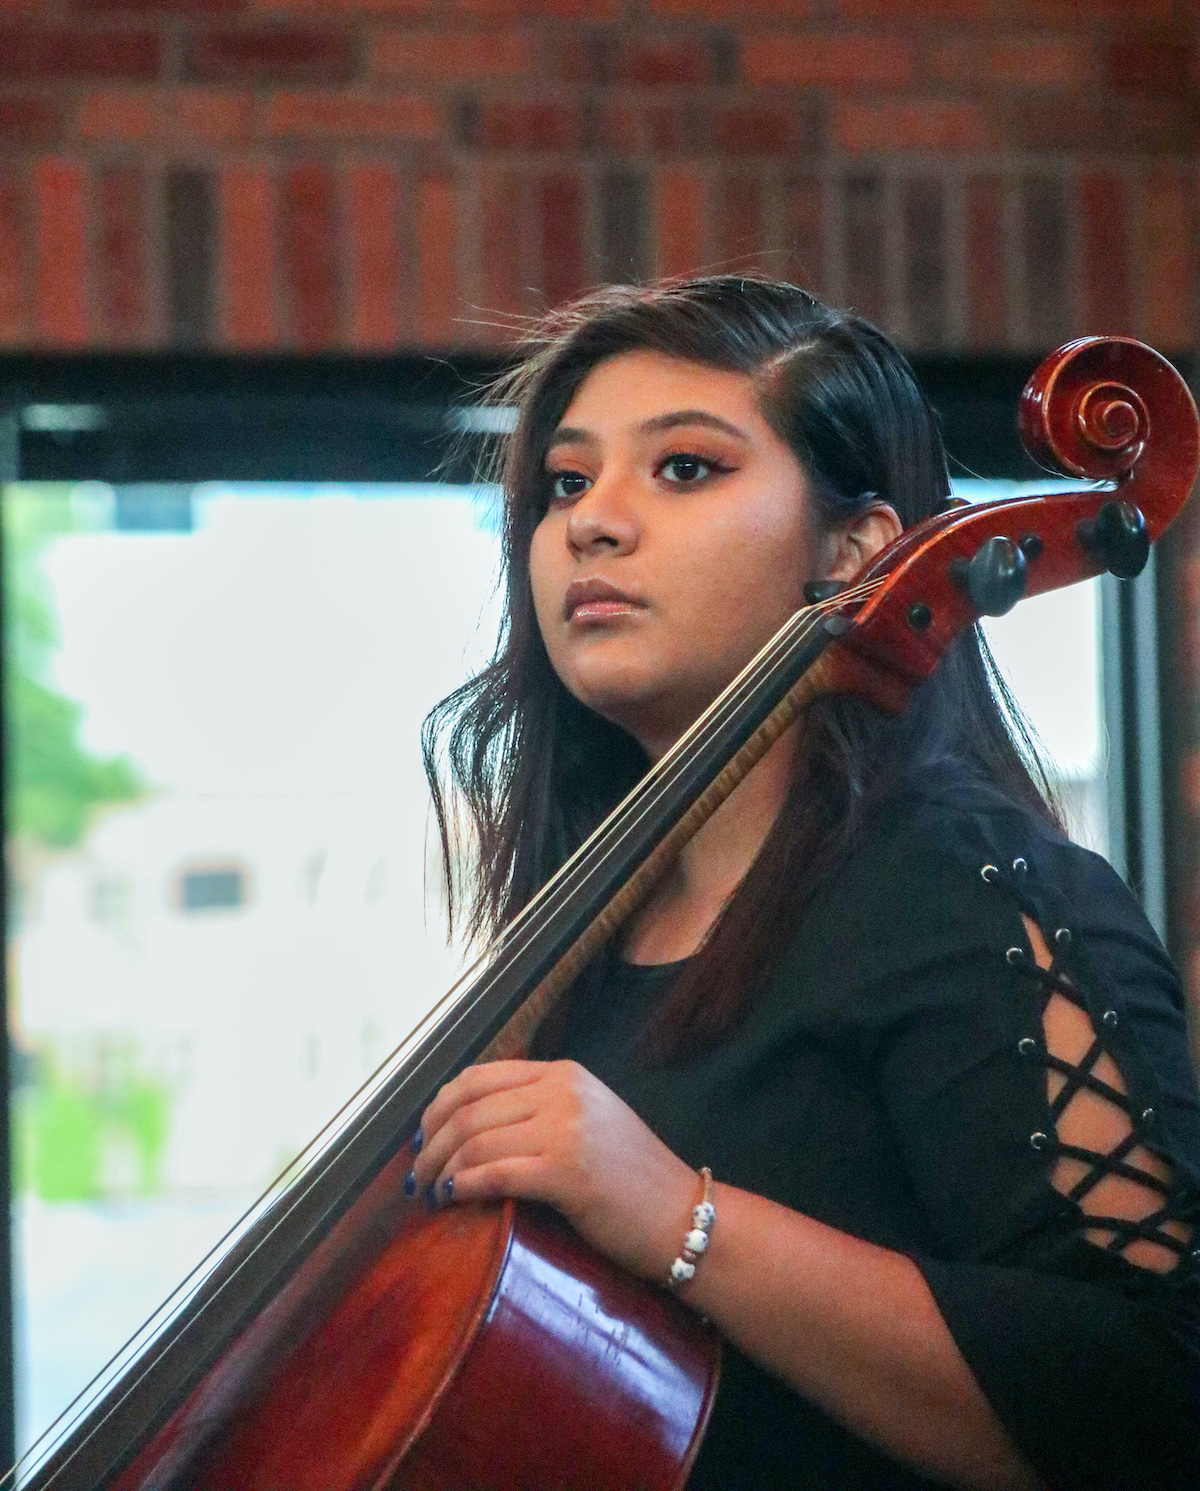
212, 889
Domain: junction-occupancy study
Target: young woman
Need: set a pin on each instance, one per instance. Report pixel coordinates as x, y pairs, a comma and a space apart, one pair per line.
932, 1052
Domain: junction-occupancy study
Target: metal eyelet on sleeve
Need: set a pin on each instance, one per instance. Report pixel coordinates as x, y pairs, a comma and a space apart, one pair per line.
1169, 1214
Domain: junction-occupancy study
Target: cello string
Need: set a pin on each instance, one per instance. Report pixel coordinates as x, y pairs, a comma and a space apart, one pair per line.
657, 781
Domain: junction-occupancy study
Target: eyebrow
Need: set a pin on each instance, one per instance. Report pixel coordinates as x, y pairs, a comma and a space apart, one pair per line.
568, 435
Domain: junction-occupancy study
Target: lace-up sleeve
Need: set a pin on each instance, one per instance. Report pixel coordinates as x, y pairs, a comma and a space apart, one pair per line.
1037, 1082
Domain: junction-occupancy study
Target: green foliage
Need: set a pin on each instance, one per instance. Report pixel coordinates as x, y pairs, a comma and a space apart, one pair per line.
74, 1142
55, 787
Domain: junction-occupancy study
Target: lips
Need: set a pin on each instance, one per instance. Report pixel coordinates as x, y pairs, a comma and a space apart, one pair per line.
598, 598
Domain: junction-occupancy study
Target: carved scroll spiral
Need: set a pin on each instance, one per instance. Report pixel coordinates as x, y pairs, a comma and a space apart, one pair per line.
1112, 409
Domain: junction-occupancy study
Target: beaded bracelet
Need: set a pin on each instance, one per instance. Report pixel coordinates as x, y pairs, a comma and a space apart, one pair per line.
695, 1241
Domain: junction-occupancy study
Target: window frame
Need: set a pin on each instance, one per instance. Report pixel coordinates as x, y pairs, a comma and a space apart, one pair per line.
195, 417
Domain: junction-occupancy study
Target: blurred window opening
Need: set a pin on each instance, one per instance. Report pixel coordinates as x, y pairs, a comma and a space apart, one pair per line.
215, 693
211, 890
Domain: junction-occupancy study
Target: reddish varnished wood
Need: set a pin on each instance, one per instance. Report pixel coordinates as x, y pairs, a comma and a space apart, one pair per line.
1103, 409
408, 1346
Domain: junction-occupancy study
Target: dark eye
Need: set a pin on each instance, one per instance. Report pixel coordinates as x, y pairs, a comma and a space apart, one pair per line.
684, 469
566, 485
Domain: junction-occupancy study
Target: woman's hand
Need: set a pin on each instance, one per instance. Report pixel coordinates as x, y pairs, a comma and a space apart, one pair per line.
550, 1131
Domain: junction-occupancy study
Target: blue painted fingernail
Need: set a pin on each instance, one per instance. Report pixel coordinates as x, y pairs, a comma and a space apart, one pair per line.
410, 1183
417, 1140
448, 1188
431, 1197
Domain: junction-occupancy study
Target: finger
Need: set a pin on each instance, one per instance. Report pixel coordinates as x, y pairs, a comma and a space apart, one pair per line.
496, 1112
473, 1083
525, 1177
526, 1140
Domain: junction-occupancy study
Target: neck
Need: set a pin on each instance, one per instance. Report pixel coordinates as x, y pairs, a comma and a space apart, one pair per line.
677, 917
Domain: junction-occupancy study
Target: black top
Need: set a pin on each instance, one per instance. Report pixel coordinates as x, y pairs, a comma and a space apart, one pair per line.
890, 1080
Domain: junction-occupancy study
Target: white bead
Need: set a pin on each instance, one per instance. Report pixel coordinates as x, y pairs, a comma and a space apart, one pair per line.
696, 1241
682, 1271
704, 1215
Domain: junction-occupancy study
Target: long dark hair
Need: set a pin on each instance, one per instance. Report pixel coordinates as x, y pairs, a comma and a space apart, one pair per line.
534, 771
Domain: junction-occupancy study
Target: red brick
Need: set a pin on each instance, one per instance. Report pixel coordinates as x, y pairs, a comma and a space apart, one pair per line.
619, 127
14, 256
923, 212
68, 52
887, 125
1128, 125
347, 116
863, 221
309, 256
987, 312
1106, 278
1166, 258
1143, 64
675, 128
569, 10
1020, 62
828, 61
922, 10
246, 236
194, 115
680, 218
278, 54
1088, 12
740, 222
373, 205
437, 263
804, 226
121, 257
529, 126
757, 129
735, 10
162, 7
672, 63
365, 7
60, 253
1189, 772
502, 201
560, 214
451, 54
29, 121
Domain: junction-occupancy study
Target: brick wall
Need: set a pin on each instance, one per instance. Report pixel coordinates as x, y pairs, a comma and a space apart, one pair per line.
310, 174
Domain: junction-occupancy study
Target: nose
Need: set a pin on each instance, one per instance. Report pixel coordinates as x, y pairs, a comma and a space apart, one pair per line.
601, 522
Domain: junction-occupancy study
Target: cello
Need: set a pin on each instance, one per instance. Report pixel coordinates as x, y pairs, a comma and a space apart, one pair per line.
344, 1338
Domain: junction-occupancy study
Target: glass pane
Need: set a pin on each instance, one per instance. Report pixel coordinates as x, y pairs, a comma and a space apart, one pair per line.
220, 839
220, 843
1048, 650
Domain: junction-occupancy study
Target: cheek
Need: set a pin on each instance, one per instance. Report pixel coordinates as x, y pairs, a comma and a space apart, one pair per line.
750, 568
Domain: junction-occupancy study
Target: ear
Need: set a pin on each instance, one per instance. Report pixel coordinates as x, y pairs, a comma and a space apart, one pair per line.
849, 547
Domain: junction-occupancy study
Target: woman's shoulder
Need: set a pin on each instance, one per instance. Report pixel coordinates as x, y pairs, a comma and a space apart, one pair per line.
952, 823
944, 869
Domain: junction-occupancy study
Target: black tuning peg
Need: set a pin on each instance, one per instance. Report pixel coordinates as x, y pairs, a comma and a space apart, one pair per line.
994, 578
1118, 535
816, 591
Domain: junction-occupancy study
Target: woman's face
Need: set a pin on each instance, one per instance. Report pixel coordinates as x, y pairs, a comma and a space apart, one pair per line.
677, 540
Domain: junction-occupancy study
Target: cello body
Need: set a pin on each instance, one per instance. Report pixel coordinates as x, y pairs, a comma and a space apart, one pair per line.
478, 1347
